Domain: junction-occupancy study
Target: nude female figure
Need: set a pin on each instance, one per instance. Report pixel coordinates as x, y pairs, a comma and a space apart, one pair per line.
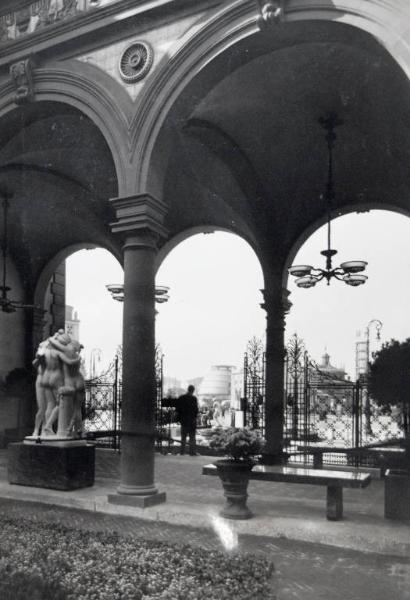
49, 378
68, 351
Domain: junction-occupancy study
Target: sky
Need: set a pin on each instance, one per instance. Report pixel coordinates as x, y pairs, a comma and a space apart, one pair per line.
215, 283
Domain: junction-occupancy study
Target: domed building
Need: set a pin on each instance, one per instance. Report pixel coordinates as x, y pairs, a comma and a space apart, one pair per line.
327, 371
216, 385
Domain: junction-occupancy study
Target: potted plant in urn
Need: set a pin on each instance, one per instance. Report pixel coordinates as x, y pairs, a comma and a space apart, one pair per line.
240, 446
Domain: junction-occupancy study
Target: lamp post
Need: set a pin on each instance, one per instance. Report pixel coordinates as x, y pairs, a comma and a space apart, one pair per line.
378, 325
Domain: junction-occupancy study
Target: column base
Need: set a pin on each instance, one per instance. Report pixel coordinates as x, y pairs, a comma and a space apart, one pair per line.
136, 490
138, 501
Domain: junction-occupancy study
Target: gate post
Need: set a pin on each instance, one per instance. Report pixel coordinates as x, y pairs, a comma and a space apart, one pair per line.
277, 305
140, 223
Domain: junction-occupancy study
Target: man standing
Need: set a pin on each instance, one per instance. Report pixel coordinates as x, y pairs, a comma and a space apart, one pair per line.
187, 411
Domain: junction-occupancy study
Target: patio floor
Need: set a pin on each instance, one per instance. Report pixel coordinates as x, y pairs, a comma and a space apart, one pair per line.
363, 556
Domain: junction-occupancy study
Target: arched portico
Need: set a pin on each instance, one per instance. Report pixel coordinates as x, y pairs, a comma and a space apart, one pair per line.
233, 131
224, 130
59, 169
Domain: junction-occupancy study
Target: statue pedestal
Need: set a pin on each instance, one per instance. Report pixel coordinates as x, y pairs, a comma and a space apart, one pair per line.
58, 465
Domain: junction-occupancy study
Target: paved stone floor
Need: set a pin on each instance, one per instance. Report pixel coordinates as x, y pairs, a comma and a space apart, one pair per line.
304, 570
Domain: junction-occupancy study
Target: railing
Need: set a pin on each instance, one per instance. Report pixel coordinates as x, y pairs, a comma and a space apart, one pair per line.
25, 17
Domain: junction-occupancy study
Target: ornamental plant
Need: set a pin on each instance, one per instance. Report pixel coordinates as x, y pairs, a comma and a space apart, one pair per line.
239, 444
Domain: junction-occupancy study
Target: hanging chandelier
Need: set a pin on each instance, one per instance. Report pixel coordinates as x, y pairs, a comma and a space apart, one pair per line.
7, 305
349, 272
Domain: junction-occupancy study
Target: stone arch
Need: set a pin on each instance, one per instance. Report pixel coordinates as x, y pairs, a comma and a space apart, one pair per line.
180, 237
84, 87
309, 231
229, 26
47, 272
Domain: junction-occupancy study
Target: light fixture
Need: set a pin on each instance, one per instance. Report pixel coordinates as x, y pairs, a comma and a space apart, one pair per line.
349, 272
7, 305
117, 292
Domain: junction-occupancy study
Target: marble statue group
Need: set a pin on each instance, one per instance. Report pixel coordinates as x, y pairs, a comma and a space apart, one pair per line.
59, 388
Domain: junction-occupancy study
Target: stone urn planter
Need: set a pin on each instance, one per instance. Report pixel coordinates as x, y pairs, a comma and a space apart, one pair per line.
240, 446
234, 476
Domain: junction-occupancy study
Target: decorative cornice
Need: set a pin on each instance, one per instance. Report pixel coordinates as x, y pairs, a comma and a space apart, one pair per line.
139, 215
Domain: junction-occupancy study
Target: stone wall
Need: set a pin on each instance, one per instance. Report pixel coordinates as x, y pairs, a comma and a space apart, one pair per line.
12, 328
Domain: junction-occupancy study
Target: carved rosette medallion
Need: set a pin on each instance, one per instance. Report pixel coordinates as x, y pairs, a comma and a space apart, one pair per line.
136, 61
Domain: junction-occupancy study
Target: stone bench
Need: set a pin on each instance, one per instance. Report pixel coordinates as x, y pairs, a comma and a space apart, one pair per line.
388, 457
334, 481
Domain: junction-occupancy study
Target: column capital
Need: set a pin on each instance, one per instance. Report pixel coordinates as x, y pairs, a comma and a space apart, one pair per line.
276, 302
141, 214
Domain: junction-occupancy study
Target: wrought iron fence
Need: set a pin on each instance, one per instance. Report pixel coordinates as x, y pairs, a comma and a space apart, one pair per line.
327, 411
254, 385
102, 413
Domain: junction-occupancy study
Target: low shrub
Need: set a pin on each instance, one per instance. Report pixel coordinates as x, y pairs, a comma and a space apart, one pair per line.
45, 562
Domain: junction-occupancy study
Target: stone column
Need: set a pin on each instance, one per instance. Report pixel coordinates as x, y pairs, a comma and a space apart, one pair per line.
276, 305
139, 222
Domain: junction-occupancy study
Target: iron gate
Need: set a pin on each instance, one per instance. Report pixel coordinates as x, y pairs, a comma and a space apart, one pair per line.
102, 416
102, 411
254, 385
321, 408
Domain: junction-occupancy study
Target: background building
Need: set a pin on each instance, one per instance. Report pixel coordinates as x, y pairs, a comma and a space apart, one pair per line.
216, 385
72, 323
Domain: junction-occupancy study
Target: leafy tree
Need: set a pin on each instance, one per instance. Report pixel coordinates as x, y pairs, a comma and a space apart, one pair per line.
389, 377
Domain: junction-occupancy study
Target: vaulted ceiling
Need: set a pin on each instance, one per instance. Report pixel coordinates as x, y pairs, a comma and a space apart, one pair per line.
246, 135
60, 170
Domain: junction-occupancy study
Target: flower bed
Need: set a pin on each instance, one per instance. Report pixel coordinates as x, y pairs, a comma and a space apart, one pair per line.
43, 562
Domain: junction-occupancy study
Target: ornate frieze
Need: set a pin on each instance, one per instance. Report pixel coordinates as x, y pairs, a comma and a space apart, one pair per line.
39, 14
